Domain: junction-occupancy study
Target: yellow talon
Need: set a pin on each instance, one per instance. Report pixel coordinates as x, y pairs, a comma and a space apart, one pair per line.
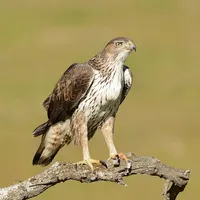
121, 156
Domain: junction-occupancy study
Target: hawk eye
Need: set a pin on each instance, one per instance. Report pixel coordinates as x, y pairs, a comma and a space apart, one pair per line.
118, 44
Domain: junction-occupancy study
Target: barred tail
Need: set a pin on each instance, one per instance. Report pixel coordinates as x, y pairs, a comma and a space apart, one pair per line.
44, 156
53, 138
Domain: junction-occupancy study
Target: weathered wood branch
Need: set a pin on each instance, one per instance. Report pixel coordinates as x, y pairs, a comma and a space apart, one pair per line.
176, 179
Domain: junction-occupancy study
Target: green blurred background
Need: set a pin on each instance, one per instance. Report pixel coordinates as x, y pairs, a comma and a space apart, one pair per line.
40, 39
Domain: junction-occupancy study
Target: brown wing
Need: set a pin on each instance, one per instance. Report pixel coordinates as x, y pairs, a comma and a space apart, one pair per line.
68, 92
47, 102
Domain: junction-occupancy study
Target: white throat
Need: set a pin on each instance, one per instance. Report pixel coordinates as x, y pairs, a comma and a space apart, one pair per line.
115, 85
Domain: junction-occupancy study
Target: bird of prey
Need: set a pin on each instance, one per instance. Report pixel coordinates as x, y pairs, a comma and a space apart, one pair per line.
86, 97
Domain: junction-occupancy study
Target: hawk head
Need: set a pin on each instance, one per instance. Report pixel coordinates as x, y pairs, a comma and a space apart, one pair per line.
119, 48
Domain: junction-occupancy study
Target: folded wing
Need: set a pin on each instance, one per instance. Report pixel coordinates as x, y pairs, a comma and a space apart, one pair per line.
67, 94
128, 79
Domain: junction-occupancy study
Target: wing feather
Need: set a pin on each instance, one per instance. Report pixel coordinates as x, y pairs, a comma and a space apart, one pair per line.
128, 79
68, 92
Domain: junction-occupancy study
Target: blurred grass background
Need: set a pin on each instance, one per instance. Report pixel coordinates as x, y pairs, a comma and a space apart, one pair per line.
40, 39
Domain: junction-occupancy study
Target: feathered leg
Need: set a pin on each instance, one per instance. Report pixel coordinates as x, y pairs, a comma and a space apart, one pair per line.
80, 130
108, 131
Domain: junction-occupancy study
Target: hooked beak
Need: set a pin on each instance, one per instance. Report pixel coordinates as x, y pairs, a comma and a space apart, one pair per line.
131, 46
134, 48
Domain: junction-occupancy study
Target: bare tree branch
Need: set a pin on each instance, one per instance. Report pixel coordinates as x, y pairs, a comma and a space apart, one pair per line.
176, 179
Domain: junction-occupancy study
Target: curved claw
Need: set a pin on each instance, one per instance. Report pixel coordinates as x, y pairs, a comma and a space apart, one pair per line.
123, 157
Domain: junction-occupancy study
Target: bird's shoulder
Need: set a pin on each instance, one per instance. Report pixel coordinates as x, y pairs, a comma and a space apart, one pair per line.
78, 74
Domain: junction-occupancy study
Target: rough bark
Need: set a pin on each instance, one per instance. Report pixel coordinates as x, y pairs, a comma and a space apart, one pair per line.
176, 179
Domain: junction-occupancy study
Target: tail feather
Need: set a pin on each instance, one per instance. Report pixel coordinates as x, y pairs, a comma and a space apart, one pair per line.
41, 129
43, 156
37, 156
53, 138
